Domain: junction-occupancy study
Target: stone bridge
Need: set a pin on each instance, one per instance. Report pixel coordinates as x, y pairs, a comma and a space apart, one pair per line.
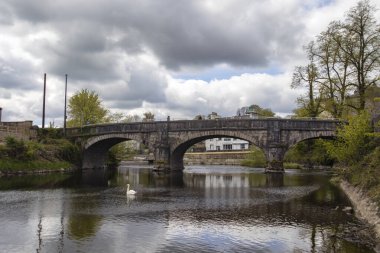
169, 140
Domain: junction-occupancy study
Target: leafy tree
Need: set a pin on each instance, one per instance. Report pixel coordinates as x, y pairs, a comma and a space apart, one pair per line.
353, 140
255, 158
85, 107
262, 112
148, 116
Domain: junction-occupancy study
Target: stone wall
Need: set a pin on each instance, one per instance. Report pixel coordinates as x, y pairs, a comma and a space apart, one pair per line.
22, 130
364, 207
215, 158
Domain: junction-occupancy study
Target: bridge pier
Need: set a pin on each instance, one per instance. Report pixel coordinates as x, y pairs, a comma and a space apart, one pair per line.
162, 156
275, 158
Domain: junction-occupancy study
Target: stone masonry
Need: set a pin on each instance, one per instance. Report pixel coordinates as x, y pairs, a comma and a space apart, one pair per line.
169, 140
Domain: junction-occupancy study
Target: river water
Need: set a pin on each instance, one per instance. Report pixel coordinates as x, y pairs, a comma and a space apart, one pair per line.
204, 209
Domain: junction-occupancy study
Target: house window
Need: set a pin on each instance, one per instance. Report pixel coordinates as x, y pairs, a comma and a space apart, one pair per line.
242, 146
227, 139
211, 147
227, 147
217, 147
219, 139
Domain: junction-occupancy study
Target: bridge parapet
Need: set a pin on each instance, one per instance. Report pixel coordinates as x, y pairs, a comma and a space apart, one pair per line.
194, 125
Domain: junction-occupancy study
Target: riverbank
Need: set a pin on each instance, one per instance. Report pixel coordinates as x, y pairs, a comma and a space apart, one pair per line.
365, 208
18, 157
32, 168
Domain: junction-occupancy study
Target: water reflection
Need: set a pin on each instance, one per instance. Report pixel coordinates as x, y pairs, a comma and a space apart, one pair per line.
209, 209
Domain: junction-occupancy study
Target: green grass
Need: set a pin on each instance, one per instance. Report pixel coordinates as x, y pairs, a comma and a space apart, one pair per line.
294, 166
8, 165
365, 174
253, 163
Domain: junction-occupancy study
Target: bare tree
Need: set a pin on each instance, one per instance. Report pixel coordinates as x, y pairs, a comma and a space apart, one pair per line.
360, 40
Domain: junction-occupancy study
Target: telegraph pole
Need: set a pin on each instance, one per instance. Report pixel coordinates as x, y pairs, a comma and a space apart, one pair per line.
43, 103
65, 116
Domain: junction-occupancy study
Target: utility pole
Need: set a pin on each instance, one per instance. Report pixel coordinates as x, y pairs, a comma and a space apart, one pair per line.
65, 116
43, 103
1, 109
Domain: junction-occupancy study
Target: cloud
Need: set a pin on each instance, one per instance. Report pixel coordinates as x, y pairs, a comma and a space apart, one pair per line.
172, 57
227, 95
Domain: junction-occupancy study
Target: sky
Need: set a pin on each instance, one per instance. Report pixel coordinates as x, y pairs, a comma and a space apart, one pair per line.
177, 58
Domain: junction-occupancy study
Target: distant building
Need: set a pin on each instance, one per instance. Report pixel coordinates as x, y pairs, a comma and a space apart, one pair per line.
213, 115
247, 112
225, 143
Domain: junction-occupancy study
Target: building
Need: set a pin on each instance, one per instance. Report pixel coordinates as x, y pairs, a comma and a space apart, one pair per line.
247, 112
225, 144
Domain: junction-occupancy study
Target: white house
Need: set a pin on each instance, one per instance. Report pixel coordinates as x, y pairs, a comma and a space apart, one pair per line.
225, 143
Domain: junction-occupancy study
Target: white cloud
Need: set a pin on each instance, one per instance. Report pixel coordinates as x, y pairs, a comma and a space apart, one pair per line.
142, 55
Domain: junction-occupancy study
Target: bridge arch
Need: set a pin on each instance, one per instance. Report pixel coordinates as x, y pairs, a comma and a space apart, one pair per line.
95, 148
182, 144
294, 137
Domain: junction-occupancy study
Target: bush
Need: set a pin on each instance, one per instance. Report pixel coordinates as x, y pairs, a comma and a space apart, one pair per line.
44, 135
353, 140
16, 149
309, 153
367, 173
255, 158
69, 152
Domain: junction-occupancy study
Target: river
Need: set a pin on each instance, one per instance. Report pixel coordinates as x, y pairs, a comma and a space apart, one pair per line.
203, 209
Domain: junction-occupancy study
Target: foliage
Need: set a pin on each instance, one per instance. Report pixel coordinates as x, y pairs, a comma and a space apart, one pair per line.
32, 155
292, 166
148, 116
309, 153
262, 112
353, 141
18, 165
85, 107
256, 158
343, 64
16, 149
69, 152
44, 134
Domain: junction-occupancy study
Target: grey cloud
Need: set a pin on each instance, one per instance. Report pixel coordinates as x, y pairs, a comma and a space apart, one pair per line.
145, 84
15, 74
99, 42
181, 33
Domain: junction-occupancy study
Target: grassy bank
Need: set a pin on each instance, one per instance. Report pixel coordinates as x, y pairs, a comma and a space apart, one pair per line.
48, 153
365, 174
9, 165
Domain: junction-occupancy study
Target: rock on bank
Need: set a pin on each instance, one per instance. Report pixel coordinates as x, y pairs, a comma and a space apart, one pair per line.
364, 207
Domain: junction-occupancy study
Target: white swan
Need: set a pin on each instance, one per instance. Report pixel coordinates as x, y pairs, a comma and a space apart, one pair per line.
130, 192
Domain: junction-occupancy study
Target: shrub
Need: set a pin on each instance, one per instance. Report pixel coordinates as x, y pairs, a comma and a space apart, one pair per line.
16, 149
69, 152
255, 158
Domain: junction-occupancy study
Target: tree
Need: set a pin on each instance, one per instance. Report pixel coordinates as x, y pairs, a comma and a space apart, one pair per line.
360, 41
308, 77
344, 63
256, 109
333, 65
85, 107
352, 140
148, 116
